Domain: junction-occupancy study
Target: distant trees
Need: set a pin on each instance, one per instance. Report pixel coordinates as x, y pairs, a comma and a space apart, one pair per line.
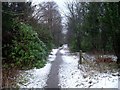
75, 20
48, 16
94, 26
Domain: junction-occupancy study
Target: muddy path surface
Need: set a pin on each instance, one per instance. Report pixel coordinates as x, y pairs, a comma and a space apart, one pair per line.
53, 79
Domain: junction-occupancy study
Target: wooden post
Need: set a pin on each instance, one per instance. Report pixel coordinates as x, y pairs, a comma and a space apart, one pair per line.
80, 57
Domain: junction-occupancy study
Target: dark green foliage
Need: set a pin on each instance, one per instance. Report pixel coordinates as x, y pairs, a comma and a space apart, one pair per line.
22, 46
94, 27
44, 35
27, 50
86, 44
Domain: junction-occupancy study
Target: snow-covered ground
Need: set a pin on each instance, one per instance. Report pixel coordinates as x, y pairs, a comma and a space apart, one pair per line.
69, 74
92, 57
72, 77
52, 55
37, 78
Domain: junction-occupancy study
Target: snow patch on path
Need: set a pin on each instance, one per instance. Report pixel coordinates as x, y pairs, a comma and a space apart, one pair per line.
52, 55
54, 51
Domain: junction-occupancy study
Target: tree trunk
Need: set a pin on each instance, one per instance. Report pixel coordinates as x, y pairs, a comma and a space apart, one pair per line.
118, 59
116, 46
80, 58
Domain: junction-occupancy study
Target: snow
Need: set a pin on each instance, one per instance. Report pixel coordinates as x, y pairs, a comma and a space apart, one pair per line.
64, 50
37, 78
52, 55
51, 58
65, 46
54, 51
92, 57
72, 77
106, 81
69, 74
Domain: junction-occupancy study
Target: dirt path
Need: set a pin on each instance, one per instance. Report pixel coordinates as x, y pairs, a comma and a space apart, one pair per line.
53, 79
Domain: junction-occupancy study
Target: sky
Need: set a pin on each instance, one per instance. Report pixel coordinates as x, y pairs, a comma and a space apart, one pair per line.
62, 8
60, 3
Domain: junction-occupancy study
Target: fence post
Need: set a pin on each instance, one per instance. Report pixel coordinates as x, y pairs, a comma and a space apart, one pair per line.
80, 57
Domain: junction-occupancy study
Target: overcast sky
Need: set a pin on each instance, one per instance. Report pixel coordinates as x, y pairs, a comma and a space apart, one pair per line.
60, 3
62, 6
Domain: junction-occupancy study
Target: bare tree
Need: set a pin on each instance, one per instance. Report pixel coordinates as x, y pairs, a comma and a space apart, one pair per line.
47, 13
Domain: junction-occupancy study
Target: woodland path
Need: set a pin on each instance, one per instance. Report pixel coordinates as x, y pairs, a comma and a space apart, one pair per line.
53, 79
